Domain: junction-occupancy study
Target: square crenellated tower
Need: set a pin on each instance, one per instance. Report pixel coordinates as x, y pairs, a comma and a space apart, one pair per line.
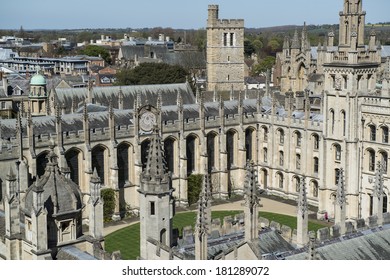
225, 52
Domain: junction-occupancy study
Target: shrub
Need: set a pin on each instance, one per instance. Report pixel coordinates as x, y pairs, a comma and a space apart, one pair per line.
108, 196
194, 183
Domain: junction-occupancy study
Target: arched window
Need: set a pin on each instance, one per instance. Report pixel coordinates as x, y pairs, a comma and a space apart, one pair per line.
264, 178
265, 155
298, 161
315, 188
281, 136
123, 164
169, 154
337, 155
230, 147
384, 159
336, 176
281, 158
385, 134
344, 119
98, 162
372, 129
297, 183
332, 120
211, 137
280, 180
298, 139
42, 161
265, 133
249, 143
190, 151
371, 160
315, 165
72, 160
316, 141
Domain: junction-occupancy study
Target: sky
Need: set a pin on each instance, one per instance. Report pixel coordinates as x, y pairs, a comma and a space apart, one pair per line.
181, 14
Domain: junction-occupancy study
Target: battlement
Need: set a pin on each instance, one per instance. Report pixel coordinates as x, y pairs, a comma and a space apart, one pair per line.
227, 23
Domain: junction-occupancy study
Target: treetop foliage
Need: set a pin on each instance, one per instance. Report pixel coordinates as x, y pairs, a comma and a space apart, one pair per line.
152, 74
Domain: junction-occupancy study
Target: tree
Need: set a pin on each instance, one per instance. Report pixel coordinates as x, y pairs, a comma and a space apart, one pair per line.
257, 45
152, 73
274, 45
93, 50
248, 48
194, 188
264, 65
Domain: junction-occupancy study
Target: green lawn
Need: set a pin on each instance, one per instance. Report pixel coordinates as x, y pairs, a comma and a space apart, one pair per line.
127, 239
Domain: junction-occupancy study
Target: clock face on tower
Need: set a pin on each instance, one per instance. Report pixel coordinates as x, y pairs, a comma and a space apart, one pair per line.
147, 121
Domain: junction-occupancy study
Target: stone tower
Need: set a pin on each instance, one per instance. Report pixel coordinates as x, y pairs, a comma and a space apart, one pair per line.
225, 52
156, 202
350, 71
352, 20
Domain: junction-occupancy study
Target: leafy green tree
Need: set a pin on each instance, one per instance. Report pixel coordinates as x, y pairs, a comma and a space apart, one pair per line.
152, 74
194, 188
257, 45
264, 65
248, 47
274, 45
93, 50
108, 196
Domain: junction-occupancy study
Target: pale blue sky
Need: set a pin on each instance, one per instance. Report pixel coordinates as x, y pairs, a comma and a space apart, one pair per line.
54, 14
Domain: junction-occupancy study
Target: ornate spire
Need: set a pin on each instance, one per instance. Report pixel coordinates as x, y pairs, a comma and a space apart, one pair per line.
251, 185
312, 249
85, 112
204, 203
95, 186
340, 195
302, 203
286, 43
378, 187
120, 99
179, 101
110, 108
295, 41
155, 166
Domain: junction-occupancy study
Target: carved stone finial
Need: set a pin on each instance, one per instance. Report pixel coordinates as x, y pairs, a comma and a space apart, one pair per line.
340, 195
302, 202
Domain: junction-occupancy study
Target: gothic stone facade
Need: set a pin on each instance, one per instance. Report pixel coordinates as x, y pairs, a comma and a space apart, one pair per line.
348, 130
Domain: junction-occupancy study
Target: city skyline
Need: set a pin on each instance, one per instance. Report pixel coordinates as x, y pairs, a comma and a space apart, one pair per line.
43, 14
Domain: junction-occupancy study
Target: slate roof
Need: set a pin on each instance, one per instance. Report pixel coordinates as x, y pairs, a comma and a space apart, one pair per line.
73, 253
269, 242
371, 244
147, 93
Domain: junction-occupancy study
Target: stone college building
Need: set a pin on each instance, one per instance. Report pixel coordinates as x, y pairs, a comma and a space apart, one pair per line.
328, 122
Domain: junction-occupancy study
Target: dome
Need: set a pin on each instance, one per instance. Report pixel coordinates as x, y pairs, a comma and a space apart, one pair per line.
60, 195
38, 80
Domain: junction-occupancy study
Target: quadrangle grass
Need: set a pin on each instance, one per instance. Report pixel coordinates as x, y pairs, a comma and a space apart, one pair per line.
127, 240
